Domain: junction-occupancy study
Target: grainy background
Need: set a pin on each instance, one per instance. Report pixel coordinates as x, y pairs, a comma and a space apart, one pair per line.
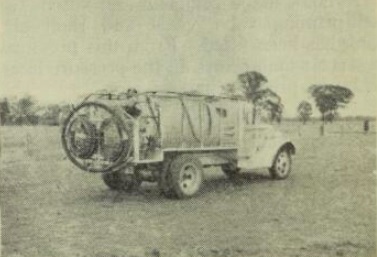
58, 51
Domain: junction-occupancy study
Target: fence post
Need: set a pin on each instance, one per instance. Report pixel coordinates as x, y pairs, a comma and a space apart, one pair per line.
28, 144
322, 130
366, 126
1, 137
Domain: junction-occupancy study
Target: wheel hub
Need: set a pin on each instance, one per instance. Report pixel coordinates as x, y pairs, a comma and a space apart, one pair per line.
189, 179
282, 163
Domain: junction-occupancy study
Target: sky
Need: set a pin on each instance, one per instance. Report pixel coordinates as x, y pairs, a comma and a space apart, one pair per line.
59, 50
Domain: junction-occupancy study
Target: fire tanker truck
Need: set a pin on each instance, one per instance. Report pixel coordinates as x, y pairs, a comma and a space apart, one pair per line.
169, 138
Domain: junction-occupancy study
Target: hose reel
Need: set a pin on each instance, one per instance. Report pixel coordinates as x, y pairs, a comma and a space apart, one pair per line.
83, 138
97, 137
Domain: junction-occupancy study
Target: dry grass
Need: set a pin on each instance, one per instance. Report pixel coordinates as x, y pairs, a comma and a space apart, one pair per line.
327, 207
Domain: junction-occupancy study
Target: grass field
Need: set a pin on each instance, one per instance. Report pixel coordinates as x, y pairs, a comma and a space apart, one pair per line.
327, 207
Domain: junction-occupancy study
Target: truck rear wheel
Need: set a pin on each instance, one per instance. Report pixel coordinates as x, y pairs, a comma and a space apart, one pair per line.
230, 170
282, 166
120, 181
164, 182
184, 177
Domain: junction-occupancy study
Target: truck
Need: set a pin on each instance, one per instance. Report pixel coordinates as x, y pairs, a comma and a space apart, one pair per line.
170, 138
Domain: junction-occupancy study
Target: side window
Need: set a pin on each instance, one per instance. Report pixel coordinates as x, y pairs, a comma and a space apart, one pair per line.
247, 113
221, 112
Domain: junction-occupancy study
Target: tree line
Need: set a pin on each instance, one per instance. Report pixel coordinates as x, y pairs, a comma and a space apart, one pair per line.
250, 85
26, 111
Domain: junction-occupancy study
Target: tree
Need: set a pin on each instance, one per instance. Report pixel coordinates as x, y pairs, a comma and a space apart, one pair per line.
251, 82
233, 91
251, 88
329, 98
4, 111
304, 110
271, 102
331, 116
50, 115
23, 111
65, 110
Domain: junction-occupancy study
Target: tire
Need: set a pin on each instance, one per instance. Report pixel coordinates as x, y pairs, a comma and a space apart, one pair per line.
184, 177
164, 181
120, 181
230, 170
282, 165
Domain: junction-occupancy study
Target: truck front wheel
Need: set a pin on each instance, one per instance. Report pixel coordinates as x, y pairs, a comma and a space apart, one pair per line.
185, 176
281, 168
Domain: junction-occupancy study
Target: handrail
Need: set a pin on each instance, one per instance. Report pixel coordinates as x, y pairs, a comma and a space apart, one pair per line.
168, 93
184, 108
154, 117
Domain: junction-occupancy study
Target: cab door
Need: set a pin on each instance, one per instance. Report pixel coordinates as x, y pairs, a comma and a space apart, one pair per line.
227, 113
253, 140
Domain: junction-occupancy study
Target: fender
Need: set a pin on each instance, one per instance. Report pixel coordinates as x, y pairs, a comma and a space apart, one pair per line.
273, 146
263, 153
